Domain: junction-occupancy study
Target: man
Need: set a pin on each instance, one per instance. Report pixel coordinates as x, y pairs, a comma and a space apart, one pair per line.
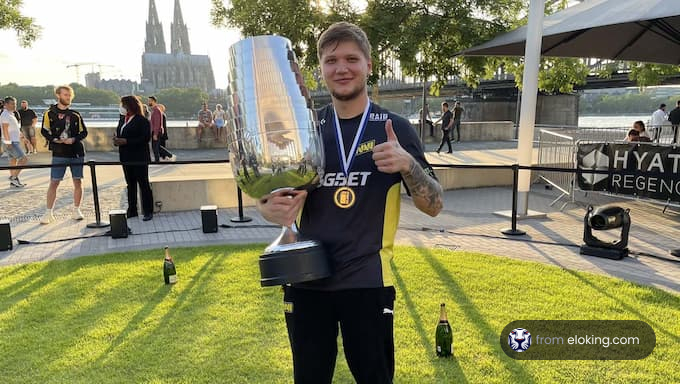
659, 119
674, 118
359, 297
457, 116
64, 131
11, 138
205, 120
28, 121
156, 120
446, 120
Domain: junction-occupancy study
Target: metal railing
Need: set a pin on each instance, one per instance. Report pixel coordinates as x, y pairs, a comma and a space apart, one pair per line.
558, 147
557, 150
514, 168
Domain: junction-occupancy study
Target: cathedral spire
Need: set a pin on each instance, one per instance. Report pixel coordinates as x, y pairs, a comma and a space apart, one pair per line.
179, 33
155, 42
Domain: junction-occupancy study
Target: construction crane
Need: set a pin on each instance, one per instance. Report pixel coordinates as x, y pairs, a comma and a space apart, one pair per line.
78, 65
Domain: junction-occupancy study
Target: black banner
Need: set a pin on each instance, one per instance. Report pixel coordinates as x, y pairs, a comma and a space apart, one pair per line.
651, 171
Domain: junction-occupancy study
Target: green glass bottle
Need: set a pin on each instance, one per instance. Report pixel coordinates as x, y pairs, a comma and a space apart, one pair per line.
444, 335
169, 272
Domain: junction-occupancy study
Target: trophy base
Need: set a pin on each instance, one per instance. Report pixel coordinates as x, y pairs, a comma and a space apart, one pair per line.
293, 262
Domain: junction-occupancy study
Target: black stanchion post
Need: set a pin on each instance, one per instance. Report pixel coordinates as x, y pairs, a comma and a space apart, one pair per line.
515, 186
240, 218
95, 192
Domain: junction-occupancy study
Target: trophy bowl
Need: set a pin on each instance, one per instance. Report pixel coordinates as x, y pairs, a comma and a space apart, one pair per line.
274, 144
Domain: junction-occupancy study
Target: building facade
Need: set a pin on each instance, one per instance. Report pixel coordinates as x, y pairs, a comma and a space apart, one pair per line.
179, 68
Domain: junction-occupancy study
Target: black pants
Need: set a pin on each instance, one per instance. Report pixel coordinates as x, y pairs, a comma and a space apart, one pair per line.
138, 174
445, 139
366, 320
159, 150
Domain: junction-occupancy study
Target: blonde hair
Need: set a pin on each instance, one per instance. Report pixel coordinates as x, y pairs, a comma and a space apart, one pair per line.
58, 90
341, 32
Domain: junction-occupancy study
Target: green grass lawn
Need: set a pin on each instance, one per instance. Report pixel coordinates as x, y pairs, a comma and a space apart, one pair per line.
110, 319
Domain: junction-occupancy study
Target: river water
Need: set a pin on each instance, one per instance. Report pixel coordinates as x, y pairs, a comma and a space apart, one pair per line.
611, 121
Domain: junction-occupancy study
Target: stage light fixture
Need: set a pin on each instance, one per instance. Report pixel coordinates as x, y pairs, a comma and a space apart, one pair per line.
602, 219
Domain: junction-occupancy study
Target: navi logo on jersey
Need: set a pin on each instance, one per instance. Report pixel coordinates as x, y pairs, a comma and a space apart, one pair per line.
365, 147
344, 197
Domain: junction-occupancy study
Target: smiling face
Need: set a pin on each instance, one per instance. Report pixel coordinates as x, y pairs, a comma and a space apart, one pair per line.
345, 70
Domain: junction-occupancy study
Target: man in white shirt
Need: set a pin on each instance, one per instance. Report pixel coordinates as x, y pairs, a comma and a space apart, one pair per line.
11, 137
659, 119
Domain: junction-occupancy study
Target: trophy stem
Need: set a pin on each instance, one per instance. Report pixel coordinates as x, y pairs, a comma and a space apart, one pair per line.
288, 235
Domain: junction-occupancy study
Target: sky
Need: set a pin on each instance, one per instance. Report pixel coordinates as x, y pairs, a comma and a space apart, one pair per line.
110, 33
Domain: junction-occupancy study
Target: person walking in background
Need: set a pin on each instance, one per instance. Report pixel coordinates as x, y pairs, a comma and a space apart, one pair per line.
64, 131
457, 116
658, 120
163, 149
132, 139
28, 121
674, 118
11, 138
156, 121
447, 121
205, 120
220, 117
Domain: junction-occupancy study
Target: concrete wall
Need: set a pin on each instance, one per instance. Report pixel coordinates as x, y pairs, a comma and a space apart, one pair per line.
186, 193
550, 110
477, 131
99, 139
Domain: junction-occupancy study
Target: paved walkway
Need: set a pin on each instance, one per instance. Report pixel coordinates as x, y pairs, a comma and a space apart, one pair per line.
467, 223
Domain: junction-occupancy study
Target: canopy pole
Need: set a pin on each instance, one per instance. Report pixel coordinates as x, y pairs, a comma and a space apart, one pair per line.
532, 57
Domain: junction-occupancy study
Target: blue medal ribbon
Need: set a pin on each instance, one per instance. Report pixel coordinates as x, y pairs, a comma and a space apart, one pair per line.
345, 159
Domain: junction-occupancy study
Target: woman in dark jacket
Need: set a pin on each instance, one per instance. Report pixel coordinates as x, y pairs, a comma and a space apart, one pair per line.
132, 139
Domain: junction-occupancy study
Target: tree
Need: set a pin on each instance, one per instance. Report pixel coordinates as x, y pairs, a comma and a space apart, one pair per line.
182, 101
647, 74
93, 96
424, 35
12, 19
293, 19
35, 95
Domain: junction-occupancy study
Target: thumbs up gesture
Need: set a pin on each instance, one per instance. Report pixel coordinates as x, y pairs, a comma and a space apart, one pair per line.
389, 156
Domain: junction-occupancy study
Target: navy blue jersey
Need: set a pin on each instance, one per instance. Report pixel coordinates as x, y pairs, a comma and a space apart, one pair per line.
355, 215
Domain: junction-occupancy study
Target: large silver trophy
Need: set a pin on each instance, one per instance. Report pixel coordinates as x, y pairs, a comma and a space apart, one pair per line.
274, 144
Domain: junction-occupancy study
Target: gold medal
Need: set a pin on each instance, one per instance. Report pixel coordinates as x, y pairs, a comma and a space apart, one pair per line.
344, 197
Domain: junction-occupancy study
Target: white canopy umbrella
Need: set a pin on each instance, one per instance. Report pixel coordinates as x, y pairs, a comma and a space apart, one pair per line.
634, 30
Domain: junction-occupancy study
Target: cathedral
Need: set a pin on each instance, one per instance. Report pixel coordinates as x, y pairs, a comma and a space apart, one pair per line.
179, 68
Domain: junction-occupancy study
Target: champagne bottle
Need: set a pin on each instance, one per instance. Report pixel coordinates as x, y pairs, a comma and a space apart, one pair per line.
444, 335
169, 272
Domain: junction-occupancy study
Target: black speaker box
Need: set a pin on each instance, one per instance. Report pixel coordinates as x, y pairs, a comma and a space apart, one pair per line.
118, 220
209, 218
5, 236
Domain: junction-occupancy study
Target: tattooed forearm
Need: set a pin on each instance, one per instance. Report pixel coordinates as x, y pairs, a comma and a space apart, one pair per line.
426, 192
